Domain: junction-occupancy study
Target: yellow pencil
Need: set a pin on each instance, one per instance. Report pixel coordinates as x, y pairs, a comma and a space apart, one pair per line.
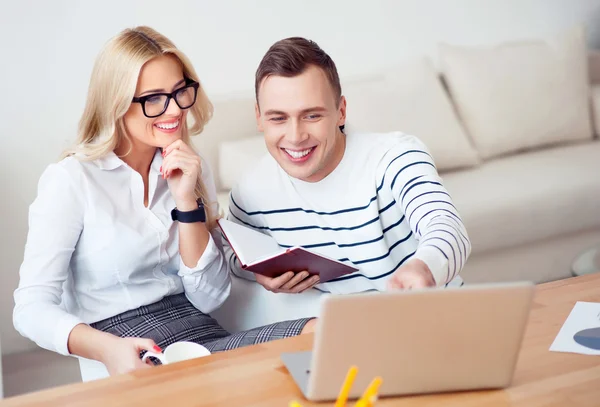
370, 393
345, 390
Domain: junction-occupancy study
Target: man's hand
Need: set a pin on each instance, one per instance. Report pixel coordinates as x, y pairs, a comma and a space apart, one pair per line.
289, 282
413, 274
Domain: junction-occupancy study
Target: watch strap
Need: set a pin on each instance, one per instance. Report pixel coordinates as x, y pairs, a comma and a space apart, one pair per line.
196, 215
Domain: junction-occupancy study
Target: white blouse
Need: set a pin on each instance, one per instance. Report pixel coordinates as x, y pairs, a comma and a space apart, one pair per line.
94, 250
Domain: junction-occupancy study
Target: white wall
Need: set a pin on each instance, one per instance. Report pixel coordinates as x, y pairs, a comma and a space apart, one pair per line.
48, 48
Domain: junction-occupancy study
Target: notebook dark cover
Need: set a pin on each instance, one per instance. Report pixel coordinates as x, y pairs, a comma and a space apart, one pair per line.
298, 259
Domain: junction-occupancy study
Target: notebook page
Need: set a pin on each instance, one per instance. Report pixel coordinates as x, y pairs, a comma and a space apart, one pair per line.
248, 244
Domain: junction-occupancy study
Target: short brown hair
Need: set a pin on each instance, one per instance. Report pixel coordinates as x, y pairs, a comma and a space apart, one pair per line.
291, 56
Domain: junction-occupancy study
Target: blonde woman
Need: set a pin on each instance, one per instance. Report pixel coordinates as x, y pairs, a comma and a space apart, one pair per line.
122, 254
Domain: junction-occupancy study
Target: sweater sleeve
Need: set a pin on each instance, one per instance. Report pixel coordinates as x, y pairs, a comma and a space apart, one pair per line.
427, 206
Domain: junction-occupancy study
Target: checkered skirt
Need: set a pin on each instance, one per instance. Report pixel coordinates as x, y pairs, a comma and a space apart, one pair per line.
174, 319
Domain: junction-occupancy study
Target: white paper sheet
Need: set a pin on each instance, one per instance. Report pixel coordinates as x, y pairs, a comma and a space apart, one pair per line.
584, 321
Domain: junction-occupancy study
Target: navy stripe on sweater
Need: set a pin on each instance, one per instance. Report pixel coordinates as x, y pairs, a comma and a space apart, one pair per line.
387, 273
455, 238
233, 259
431, 211
457, 222
415, 185
358, 208
405, 167
426, 193
451, 248
450, 233
429, 203
357, 262
325, 244
306, 227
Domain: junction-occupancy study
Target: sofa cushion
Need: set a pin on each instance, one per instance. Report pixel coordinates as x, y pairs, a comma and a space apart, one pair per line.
528, 197
233, 119
522, 95
237, 157
411, 99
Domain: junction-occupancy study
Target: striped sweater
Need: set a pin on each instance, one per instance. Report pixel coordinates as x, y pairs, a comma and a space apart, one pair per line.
383, 204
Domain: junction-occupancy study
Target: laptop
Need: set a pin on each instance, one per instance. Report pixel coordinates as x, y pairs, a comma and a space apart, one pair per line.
422, 341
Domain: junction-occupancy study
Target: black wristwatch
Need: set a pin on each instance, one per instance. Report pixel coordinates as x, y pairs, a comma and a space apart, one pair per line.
197, 215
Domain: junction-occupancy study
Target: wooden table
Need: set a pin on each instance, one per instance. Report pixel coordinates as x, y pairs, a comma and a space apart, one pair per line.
254, 376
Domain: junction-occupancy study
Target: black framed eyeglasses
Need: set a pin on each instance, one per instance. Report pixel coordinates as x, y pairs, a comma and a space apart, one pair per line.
157, 103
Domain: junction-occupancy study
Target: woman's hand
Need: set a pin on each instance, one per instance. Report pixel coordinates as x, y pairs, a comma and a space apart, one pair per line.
182, 167
119, 355
122, 355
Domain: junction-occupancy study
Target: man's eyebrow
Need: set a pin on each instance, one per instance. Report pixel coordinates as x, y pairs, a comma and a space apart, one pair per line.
314, 109
274, 112
181, 82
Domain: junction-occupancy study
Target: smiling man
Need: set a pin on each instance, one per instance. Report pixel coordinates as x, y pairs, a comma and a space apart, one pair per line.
374, 201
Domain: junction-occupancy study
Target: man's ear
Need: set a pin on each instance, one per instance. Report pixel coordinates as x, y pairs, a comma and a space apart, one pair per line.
342, 112
259, 125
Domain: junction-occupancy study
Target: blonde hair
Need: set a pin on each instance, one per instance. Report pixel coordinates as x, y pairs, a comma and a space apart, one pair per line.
112, 87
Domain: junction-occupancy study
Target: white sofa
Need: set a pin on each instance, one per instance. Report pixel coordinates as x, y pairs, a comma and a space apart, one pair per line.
512, 130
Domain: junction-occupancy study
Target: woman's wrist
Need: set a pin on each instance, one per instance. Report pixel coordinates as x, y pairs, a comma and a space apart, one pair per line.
105, 346
186, 205
90, 343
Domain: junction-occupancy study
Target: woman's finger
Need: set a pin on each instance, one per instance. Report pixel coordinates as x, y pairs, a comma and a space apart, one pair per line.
141, 344
143, 365
145, 344
178, 154
188, 165
182, 153
177, 145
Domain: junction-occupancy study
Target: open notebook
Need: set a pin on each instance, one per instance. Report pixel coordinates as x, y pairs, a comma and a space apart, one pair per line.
261, 254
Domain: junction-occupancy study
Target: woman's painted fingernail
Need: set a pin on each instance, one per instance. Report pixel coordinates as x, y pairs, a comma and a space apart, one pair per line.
157, 348
160, 169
